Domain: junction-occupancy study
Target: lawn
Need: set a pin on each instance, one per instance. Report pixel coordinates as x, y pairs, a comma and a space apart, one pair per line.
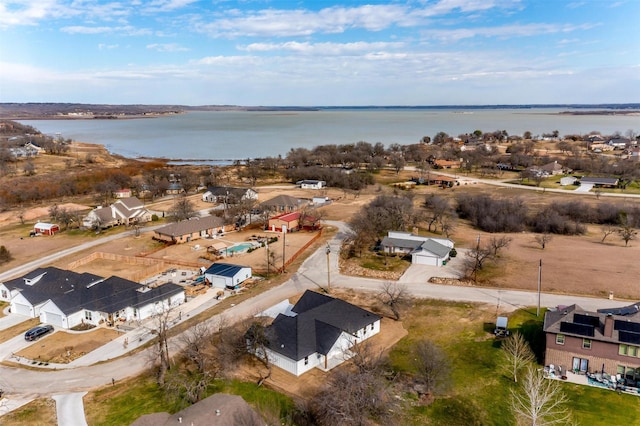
11, 332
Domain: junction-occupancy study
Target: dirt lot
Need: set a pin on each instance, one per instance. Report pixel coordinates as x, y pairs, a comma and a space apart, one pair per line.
63, 347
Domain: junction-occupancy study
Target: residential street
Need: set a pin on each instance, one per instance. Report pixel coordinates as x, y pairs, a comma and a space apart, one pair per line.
21, 385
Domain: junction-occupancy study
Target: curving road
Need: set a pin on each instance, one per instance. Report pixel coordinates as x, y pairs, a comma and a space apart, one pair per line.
22, 384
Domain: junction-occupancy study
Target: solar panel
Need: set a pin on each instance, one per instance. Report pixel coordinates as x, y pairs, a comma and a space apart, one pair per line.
586, 320
580, 329
626, 326
629, 337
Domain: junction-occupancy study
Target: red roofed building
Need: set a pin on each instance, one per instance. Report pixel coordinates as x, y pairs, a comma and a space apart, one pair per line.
285, 222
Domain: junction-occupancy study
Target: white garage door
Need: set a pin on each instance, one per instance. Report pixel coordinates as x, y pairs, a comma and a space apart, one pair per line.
425, 260
53, 319
20, 309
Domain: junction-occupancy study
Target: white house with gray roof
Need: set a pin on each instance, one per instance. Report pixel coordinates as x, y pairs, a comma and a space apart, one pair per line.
317, 332
423, 250
66, 298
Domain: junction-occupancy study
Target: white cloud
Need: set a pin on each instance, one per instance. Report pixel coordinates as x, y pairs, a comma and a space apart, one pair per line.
506, 31
167, 47
166, 5
322, 49
103, 46
121, 30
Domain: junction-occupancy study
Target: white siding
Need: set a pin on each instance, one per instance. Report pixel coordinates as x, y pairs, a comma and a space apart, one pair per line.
5, 293
21, 306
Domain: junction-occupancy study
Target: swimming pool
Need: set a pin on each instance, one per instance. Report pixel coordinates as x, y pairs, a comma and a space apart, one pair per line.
239, 248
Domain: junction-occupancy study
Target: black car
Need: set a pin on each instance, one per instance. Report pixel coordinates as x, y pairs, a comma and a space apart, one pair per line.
36, 332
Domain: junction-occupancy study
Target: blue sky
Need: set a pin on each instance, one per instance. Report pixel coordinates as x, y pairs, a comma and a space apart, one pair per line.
323, 52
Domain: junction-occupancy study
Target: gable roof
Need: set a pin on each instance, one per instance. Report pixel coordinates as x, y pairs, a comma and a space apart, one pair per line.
320, 321
71, 291
435, 247
599, 180
283, 200
224, 269
190, 226
287, 217
222, 191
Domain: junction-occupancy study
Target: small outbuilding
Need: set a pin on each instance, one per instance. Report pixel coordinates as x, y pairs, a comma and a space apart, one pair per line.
227, 275
46, 228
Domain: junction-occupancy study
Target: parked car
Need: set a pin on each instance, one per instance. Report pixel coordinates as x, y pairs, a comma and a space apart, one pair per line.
37, 332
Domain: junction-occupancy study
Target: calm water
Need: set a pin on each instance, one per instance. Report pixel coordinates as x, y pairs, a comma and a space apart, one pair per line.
240, 135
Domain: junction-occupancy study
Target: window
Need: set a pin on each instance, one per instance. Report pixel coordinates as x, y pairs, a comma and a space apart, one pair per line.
622, 349
371, 325
88, 315
306, 360
559, 339
632, 351
586, 343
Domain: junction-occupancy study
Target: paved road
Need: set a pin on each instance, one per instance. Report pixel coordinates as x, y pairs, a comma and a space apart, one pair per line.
23, 385
70, 409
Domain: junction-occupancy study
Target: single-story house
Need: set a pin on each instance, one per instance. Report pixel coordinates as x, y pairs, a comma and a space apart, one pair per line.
66, 299
283, 204
285, 222
122, 193
228, 194
192, 229
125, 211
45, 228
606, 341
317, 332
217, 410
319, 201
599, 181
619, 143
447, 164
423, 250
228, 275
554, 169
174, 188
311, 184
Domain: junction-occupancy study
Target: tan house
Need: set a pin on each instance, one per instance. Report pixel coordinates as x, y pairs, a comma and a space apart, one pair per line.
285, 222
125, 211
192, 229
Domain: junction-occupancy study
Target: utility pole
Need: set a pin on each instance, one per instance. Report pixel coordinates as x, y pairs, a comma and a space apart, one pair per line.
328, 251
539, 286
284, 244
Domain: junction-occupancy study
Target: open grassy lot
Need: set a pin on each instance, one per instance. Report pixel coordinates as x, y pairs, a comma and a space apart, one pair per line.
39, 412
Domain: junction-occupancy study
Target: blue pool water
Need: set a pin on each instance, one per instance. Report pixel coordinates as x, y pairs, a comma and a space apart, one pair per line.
239, 248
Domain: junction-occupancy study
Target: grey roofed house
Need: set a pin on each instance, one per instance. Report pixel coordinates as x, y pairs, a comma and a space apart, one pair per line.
319, 322
283, 203
217, 410
423, 250
435, 247
598, 181
72, 292
228, 194
191, 226
126, 211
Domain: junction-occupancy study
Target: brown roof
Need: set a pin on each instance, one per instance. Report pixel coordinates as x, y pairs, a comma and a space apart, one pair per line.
218, 410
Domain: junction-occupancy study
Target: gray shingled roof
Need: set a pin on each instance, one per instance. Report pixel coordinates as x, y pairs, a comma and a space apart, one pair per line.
436, 248
401, 243
320, 321
72, 292
190, 226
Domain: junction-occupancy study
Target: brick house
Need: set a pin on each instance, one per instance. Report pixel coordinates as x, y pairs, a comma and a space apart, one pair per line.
606, 341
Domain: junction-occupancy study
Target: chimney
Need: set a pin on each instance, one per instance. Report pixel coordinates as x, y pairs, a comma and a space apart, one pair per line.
608, 326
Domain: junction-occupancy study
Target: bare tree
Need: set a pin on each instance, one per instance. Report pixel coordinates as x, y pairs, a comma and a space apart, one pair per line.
475, 260
5, 255
606, 231
627, 232
498, 243
394, 296
257, 343
543, 240
432, 364
539, 401
354, 398
438, 207
517, 354
159, 326
183, 209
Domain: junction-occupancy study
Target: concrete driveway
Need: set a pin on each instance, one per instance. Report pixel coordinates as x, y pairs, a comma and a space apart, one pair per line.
70, 409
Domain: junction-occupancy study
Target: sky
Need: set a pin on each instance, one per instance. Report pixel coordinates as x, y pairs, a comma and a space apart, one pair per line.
322, 52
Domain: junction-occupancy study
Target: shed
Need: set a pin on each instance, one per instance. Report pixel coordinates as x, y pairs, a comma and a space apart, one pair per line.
223, 275
46, 228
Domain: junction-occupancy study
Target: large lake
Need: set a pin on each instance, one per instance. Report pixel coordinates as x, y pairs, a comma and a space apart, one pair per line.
232, 135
